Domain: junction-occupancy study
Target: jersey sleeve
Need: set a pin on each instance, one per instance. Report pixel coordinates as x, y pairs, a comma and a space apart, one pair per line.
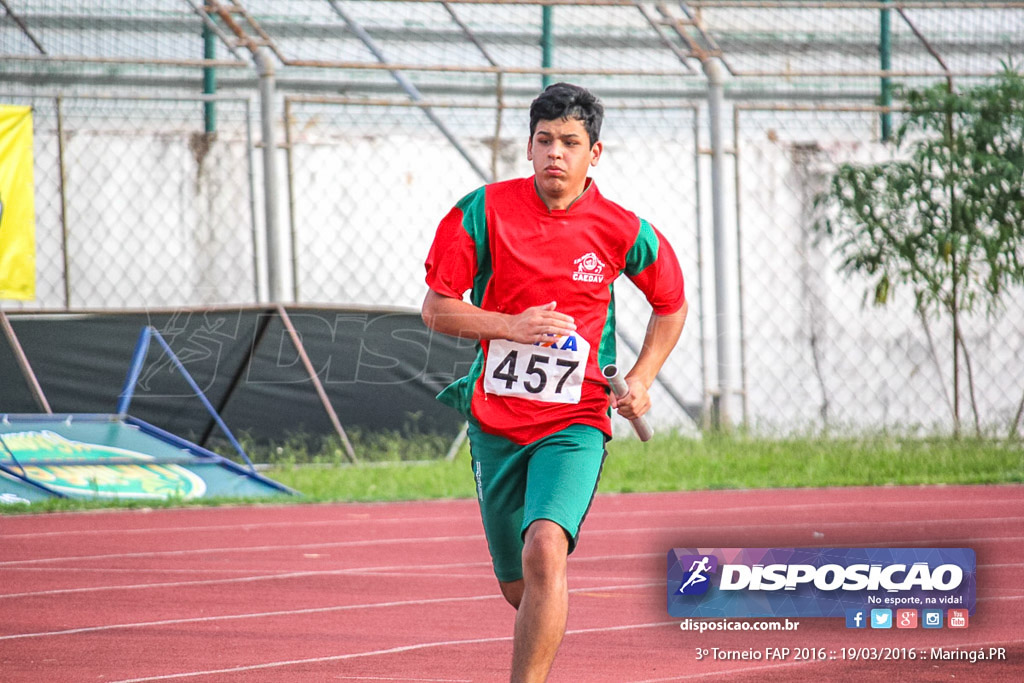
652, 265
452, 262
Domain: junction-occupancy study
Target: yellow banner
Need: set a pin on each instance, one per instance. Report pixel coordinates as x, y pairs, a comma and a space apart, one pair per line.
17, 205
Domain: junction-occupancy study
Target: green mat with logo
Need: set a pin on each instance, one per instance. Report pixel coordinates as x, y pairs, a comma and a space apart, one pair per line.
114, 457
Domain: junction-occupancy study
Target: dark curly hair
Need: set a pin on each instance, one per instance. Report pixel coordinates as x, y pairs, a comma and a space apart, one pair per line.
568, 101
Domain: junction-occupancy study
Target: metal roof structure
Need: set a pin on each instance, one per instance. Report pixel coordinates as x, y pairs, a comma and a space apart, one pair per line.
465, 49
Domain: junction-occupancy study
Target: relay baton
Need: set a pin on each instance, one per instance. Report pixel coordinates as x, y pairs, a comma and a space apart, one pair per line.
618, 385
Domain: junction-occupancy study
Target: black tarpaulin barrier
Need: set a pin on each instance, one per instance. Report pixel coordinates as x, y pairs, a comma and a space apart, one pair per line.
379, 369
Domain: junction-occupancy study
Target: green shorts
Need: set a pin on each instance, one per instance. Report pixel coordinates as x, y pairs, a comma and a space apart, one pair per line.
554, 478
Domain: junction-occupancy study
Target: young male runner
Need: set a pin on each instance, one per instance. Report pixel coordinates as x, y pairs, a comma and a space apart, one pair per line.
538, 256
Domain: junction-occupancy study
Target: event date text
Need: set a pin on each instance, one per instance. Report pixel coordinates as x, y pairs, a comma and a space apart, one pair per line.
878, 653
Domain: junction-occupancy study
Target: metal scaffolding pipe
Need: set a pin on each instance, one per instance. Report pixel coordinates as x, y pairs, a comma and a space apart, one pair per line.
410, 89
723, 294
209, 80
547, 42
885, 63
278, 275
23, 364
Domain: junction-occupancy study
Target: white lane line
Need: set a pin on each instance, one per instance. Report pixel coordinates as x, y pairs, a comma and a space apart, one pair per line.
308, 610
194, 571
679, 530
401, 570
419, 571
377, 653
343, 608
392, 678
258, 548
472, 515
241, 526
252, 615
246, 579
203, 571
794, 507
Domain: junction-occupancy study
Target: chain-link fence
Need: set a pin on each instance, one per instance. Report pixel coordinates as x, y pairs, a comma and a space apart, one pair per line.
817, 350
137, 206
383, 114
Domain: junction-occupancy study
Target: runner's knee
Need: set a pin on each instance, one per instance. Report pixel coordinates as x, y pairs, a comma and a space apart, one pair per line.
545, 552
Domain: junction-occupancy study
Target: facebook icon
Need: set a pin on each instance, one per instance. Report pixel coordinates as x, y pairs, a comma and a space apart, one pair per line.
856, 618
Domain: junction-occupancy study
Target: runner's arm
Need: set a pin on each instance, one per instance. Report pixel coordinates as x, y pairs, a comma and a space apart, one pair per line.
459, 318
662, 334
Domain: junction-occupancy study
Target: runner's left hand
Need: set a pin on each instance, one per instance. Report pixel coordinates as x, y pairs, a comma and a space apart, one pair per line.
635, 403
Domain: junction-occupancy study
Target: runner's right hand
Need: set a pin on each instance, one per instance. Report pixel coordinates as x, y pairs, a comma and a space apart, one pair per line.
539, 323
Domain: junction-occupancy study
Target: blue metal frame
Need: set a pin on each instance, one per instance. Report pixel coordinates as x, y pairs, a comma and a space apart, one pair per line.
175, 440
124, 402
14, 458
32, 482
23, 475
201, 453
135, 370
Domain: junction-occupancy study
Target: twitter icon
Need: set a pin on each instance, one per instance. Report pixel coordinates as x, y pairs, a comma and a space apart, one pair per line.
881, 618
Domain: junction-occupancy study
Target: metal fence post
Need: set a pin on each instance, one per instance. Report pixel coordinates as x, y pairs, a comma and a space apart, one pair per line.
278, 259
62, 179
723, 294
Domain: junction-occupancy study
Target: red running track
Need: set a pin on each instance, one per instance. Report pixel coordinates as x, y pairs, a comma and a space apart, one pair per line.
404, 591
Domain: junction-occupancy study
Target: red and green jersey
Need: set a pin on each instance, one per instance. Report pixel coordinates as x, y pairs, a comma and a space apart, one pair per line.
503, 245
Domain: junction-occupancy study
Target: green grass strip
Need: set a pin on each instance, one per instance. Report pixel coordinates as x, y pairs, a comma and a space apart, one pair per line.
666, 463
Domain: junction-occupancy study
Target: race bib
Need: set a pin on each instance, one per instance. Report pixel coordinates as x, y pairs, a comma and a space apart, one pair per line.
551, 372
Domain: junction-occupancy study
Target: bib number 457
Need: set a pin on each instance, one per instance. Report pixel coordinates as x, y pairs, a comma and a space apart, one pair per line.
506, 371
552, 374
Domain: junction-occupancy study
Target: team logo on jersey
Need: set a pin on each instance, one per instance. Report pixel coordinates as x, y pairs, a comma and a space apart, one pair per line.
589, 268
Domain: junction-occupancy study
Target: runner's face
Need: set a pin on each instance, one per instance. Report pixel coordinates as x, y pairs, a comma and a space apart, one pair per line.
561, 154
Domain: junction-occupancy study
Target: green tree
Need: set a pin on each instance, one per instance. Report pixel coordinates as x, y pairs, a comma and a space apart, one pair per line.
944, 216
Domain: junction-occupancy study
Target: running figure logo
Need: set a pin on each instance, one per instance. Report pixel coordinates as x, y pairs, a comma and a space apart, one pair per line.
696, 580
